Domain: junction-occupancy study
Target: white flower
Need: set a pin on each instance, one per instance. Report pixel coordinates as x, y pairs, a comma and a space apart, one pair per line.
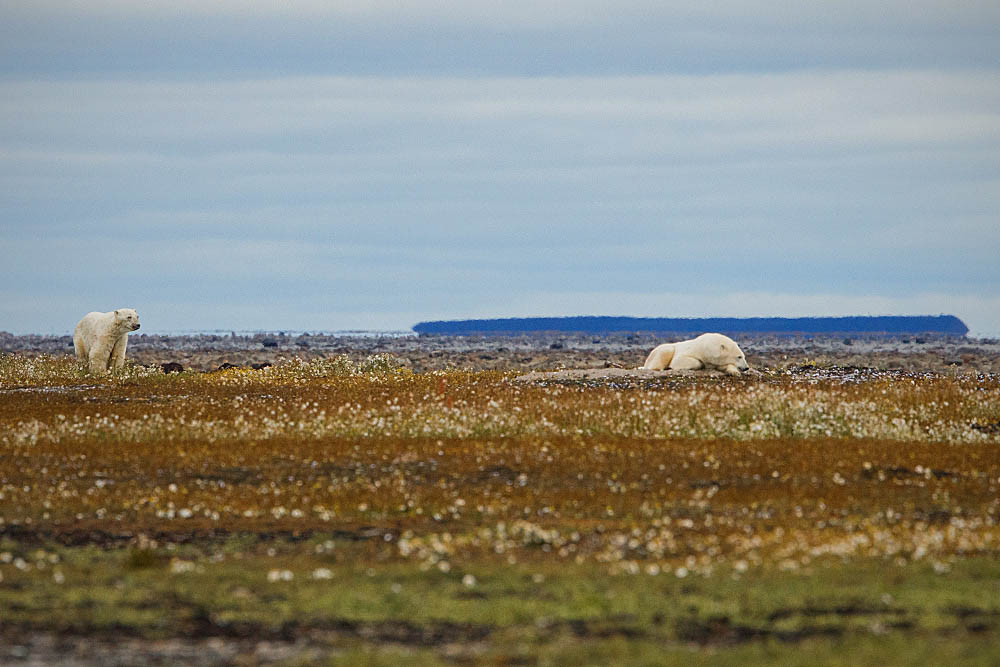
178, 566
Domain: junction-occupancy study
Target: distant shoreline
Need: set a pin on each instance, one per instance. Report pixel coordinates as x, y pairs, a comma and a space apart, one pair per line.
816, 327
889, 325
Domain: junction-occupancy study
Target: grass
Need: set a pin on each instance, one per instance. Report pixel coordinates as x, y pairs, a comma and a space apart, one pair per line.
371, 514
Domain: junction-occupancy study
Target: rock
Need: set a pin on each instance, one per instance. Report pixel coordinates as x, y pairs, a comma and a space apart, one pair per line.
172, 367
257, 367
269, 342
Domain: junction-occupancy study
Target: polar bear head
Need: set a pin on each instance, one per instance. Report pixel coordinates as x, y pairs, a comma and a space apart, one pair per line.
126, 319
722, 352
731, 353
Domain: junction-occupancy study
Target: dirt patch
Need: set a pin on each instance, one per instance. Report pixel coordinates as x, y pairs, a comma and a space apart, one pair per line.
623, 625
837, 610
720, 630
208, 643
611, 377
104, 539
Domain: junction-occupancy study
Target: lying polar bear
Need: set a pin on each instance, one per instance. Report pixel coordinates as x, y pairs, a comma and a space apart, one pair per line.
710, 351
100, 339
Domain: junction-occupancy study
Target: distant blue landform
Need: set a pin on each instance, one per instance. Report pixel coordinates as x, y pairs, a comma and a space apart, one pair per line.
885, 325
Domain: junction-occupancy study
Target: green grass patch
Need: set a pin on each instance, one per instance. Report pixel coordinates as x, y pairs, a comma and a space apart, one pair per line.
865, 610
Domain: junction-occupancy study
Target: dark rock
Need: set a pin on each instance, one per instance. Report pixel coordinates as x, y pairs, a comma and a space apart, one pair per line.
226, 365
992, 427
848, 341
269, 342
260, 366
556, 346
172, 367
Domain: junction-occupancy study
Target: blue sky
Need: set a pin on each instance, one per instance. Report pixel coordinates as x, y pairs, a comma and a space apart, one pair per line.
328, 166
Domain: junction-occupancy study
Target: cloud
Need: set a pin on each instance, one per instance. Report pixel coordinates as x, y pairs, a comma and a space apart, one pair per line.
887, 155
540, 14
232, 38
375, 201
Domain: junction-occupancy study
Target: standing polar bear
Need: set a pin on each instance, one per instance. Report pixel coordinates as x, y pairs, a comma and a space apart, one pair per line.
711, 351
100, 339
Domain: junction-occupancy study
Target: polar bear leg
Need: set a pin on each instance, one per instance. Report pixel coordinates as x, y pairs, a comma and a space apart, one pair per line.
731, 369
118, 353
81, 351
686, 363
100, 358
660, 357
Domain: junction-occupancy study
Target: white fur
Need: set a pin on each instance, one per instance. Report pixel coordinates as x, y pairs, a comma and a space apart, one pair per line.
710, 351
100, 339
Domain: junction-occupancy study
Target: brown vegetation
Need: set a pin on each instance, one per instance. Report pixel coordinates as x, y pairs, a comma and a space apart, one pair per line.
437, 467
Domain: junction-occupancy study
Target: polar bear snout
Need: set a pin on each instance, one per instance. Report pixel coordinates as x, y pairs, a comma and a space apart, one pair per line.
135, 326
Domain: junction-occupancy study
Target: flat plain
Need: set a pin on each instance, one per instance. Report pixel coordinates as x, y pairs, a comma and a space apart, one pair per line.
350, 504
